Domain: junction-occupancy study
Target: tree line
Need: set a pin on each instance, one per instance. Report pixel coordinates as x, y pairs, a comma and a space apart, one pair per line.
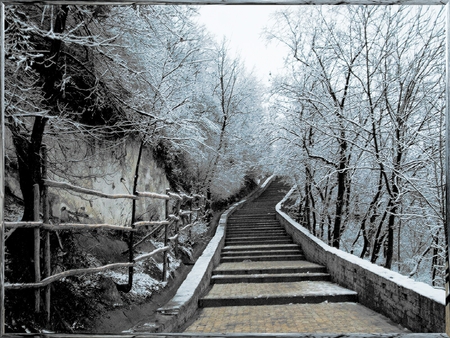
360, 116
87, 79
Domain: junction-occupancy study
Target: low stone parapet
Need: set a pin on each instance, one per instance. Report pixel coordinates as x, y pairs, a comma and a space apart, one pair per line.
415, 305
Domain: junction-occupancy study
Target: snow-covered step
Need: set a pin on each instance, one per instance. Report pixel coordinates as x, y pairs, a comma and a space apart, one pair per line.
265, 267
256, 234
241, 294
252, 220
234, 248
286, 257
259, 241
261, 229
254, 226
259, 232
269, 278
263, 252
259, 236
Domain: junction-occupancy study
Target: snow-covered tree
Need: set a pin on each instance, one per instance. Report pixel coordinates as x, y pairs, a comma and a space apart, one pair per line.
360, 112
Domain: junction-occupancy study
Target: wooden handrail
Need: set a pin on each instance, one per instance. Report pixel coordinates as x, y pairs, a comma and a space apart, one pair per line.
22, 224
153, 195
186, 227
154, 252
58, 276
68, 273
149, 223
63, 185
65, 226
172, 217
175, 196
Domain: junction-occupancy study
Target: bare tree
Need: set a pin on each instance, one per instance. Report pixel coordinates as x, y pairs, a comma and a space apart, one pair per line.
363, 102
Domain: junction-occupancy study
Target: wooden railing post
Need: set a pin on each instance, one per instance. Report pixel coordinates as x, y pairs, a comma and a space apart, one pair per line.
177, 227
37, 249
47, 249
190, 216
166, 236
203, 205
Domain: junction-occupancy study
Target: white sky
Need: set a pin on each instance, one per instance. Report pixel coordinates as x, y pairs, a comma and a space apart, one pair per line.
242, 25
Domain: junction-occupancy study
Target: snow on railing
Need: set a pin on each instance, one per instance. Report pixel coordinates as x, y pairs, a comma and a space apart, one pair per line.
74, 272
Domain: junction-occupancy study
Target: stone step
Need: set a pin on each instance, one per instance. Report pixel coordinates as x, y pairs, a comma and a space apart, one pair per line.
279, 252
257, 228
262, 237
258, 213
252, 231
255, 218
253, 224
232, 225
252, 220
243, 258
286, 240
254, 234
269, 278
247, 227
234, 248
266, 267
242, 294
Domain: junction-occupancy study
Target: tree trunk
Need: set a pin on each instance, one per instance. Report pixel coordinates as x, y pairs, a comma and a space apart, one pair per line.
27, 147
390, 236
341, 193
378, 240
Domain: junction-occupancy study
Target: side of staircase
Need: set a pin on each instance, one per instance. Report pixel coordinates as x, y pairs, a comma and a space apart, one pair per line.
260, 264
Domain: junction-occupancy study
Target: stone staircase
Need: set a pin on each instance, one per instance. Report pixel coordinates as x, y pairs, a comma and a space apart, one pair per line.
260, 264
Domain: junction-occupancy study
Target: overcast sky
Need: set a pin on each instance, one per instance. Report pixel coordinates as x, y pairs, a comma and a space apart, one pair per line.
242, 25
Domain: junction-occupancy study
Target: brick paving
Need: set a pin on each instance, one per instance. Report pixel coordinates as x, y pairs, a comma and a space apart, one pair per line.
293, 318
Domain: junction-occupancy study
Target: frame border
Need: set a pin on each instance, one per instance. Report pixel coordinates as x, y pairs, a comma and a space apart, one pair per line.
222, 2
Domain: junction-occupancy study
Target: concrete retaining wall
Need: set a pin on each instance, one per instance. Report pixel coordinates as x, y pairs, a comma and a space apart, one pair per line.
415, 305
184, 304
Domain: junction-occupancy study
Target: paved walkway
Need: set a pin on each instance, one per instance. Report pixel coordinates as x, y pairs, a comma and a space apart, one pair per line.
264, 284
293, 318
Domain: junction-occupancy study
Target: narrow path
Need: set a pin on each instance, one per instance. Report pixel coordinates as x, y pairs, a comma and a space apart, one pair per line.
264, 284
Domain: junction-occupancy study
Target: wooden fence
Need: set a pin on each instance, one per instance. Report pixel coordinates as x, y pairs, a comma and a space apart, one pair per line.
172, 220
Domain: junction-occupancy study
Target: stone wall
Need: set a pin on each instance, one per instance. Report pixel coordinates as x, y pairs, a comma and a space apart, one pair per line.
415, 305
106, 168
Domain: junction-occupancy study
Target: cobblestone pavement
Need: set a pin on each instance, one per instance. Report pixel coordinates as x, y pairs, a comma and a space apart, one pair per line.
293, 318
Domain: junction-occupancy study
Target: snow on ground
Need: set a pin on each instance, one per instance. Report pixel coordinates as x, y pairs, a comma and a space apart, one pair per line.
143, 283
199, 229
147, 273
